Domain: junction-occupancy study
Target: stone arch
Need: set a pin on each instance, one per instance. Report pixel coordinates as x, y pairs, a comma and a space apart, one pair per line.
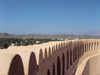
63, 64
48, 72
16, 67
32, 65
53, 72
58, 66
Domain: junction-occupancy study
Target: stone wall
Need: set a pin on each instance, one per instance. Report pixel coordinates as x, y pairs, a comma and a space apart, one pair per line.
52, 58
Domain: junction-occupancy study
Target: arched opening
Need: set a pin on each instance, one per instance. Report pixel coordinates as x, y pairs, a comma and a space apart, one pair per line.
97, 45
75, 53
58, 66
48, 73
73, 56
89, 46
67, 59
94, 45
32, 65
53, 70
16, 67
80, 49
70, 57
85, 47
63, 64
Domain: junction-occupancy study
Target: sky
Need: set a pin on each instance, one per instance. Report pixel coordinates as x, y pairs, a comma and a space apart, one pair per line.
49, 16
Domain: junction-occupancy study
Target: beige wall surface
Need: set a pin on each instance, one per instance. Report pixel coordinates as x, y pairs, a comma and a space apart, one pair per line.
92, 66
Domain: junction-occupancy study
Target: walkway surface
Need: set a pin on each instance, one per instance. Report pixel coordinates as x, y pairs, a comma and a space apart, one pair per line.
81, 67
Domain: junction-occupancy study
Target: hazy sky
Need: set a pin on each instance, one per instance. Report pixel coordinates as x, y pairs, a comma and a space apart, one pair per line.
49, 16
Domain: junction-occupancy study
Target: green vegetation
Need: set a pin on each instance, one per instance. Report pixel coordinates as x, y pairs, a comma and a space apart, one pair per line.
6, 42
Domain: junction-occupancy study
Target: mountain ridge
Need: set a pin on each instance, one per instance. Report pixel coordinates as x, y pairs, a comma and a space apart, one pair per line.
57, 36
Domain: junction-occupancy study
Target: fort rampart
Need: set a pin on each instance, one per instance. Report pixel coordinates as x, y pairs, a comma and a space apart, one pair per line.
52, 58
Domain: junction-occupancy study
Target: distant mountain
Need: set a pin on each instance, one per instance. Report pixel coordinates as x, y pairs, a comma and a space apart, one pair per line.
96, 32
89, 35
